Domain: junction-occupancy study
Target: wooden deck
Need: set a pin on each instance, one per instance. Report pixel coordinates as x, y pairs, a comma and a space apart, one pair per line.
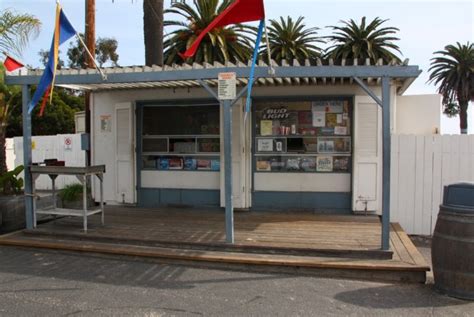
319, 242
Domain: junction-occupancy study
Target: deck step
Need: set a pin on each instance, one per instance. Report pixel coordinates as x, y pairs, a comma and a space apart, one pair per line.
237, 248
387, 270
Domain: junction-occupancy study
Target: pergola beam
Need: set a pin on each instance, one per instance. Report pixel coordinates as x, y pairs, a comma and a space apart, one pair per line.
212, 73
368, 91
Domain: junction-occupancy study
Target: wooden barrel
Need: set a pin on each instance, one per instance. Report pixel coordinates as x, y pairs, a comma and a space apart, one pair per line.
452, 252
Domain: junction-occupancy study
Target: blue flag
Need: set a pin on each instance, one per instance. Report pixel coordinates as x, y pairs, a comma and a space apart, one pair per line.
63, 31
254, 62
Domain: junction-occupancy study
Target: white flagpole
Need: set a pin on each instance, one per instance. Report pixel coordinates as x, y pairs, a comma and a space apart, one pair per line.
104, 77
271, 70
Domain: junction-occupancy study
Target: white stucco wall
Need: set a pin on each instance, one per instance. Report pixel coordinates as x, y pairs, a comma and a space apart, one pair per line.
418, 114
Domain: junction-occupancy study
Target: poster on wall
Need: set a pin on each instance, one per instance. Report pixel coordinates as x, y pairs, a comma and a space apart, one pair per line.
340, 130
319, 119
266, 127
324, 164
106, 123
333, 106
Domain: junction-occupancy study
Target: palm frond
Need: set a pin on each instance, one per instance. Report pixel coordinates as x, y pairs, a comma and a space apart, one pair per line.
16, 30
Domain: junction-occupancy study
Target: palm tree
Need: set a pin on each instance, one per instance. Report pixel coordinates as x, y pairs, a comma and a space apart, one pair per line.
291, 40
363, 41
153, 31
15, 31
453, 71
223, 44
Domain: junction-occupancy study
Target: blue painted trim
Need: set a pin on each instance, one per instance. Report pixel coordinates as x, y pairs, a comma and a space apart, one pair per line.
368, 91
162, 197
212, 73
340, 203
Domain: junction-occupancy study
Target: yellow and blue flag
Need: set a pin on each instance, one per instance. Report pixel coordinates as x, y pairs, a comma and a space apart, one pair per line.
63, 31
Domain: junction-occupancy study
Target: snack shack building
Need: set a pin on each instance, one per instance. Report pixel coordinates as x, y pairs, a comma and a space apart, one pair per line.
317, 137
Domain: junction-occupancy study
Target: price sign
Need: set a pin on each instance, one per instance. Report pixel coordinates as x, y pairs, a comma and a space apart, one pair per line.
227, 86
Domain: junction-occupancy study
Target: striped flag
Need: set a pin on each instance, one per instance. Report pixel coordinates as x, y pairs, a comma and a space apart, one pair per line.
63, 31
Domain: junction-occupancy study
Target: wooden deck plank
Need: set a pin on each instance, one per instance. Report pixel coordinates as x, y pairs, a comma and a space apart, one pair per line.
281, 229
410, 247
212, 256
263, 239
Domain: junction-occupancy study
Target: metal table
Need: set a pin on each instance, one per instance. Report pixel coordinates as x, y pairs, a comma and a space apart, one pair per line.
81, 173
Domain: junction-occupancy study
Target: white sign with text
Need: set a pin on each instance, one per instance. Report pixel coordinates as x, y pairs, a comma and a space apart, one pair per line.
227, 88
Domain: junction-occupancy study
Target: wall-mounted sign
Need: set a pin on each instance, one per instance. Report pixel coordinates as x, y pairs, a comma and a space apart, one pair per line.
227, 86
106, 123
68, 144
275, 114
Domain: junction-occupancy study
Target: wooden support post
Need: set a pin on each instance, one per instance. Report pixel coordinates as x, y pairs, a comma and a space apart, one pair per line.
90, 43
27, 157
229, 208
386, 163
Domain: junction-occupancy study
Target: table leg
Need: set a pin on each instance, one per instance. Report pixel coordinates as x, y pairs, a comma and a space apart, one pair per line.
102, 198
54, 192
33, 192
84, 196
53, 179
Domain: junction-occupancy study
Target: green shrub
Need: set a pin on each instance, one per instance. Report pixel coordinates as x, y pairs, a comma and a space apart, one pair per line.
71, 192
10, 183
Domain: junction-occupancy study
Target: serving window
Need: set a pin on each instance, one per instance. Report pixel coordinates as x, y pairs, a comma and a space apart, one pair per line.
303, 136
183, 138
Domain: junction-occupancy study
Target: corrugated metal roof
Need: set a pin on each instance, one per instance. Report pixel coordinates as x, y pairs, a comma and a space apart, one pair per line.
402, 82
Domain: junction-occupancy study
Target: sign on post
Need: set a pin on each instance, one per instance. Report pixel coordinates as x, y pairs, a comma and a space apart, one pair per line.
227, 87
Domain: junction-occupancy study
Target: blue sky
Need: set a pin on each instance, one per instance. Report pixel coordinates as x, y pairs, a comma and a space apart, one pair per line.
425, 26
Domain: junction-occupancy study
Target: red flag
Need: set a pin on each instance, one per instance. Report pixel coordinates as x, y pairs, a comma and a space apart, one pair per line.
238, 12
45, 99
11, 64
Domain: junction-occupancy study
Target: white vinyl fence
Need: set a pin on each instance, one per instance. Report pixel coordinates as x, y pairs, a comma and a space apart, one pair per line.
64, 147
421, 167
10, 154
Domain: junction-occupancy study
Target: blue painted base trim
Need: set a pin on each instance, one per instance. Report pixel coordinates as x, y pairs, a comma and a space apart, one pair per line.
156, 197
333, 203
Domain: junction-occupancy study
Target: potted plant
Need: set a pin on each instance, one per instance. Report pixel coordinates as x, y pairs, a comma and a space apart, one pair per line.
71, 197
12, 203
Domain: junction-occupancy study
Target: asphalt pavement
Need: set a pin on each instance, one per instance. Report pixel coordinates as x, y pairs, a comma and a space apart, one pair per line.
50, 283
